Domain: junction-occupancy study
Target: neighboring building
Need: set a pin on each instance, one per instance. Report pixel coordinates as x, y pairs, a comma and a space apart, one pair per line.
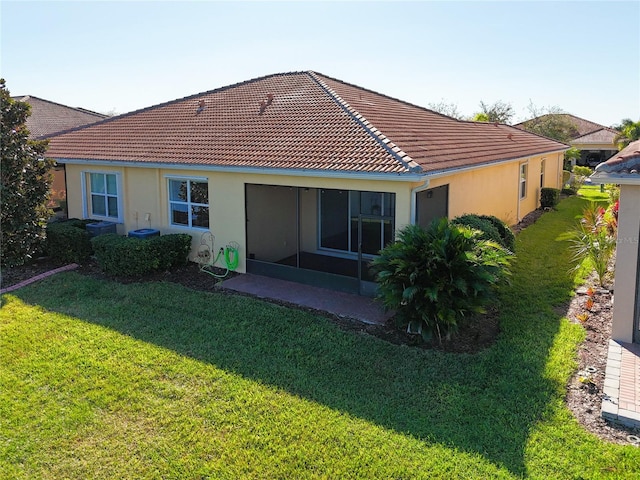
48, 118
595, 142
310, 175
624, 169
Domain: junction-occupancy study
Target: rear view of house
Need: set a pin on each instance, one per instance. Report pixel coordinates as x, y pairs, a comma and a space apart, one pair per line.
310, 175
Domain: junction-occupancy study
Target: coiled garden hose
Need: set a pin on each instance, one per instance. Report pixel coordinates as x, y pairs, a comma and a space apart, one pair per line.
230, 252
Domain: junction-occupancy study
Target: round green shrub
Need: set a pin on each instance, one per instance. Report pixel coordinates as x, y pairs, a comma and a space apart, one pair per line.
434, 278
486, 227
549, 197
508, 238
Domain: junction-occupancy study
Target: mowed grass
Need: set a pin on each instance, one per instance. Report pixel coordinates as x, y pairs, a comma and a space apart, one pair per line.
104, 380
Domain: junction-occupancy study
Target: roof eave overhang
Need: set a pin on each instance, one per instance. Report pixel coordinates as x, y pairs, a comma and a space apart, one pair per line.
616, 178
410, 177
449, 171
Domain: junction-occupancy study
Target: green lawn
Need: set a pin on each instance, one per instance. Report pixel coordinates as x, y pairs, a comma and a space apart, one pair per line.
104, 380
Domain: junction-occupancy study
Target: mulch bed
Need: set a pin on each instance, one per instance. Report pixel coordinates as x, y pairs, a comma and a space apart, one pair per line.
583, 398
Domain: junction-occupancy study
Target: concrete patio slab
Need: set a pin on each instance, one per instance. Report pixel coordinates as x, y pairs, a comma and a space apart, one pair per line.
342, 304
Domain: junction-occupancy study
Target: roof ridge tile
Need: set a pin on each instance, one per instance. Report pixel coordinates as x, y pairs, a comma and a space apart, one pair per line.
401, 156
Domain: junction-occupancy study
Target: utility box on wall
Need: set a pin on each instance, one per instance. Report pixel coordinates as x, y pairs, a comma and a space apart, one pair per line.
144, 233
101, 228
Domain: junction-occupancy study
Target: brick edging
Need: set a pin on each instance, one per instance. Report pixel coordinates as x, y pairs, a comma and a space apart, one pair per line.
24, 283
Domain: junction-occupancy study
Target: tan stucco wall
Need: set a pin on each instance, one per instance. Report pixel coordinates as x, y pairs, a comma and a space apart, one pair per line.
494, 190
626, 274
145, 196
489, 190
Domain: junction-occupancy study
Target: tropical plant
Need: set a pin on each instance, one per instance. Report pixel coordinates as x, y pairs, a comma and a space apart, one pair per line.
595, 239
580, 174
491, 228
506, 234
486, 228
571, 156
435, 278
25, 182
629, 131
613, 191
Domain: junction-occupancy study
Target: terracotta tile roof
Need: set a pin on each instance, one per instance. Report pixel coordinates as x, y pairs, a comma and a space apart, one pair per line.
625, 163
49, 117
313, 122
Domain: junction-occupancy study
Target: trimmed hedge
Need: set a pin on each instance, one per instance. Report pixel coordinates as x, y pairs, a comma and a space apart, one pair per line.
126, 256
68, 241
549, 197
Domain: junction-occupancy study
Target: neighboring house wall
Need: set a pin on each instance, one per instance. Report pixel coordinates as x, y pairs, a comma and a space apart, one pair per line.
627, 284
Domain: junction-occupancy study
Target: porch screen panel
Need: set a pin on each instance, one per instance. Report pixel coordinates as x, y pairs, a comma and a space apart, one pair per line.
334, 219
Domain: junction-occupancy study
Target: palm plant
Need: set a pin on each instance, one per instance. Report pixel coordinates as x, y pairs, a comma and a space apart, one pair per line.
434, 278
629, 131
595, 239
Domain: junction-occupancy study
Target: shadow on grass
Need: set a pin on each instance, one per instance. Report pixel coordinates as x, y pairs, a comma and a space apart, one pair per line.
485, 404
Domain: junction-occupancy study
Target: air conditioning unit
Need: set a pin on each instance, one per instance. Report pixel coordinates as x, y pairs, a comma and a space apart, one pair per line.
100, 228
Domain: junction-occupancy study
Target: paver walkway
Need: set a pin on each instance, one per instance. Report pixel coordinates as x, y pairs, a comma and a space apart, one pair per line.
621, 403
29, 281
342, 304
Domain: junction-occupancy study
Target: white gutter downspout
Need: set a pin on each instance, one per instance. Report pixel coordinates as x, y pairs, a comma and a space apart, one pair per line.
414, 199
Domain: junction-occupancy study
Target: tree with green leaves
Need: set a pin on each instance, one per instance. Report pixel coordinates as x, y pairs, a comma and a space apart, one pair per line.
550, 122
25, 184
629, 132
500, 112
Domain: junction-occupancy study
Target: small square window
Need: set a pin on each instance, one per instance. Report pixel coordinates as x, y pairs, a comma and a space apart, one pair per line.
189, 203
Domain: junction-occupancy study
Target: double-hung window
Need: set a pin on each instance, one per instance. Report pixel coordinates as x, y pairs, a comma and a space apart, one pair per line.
103, 196
189, 202
523, 180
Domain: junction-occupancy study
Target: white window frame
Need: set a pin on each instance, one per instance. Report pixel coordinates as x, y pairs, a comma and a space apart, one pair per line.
188, 203
542, 172
87, 211
523, 174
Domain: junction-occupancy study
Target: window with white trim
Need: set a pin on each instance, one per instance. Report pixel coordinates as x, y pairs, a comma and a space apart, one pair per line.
542, 173
103, 196
523, 180
189, 202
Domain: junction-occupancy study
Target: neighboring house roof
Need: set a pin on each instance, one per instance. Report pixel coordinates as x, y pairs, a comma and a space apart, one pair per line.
623, 167
585, 130
49, 117
313, 122
604, 135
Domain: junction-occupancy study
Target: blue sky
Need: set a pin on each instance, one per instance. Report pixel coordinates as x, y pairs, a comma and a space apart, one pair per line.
580, 56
